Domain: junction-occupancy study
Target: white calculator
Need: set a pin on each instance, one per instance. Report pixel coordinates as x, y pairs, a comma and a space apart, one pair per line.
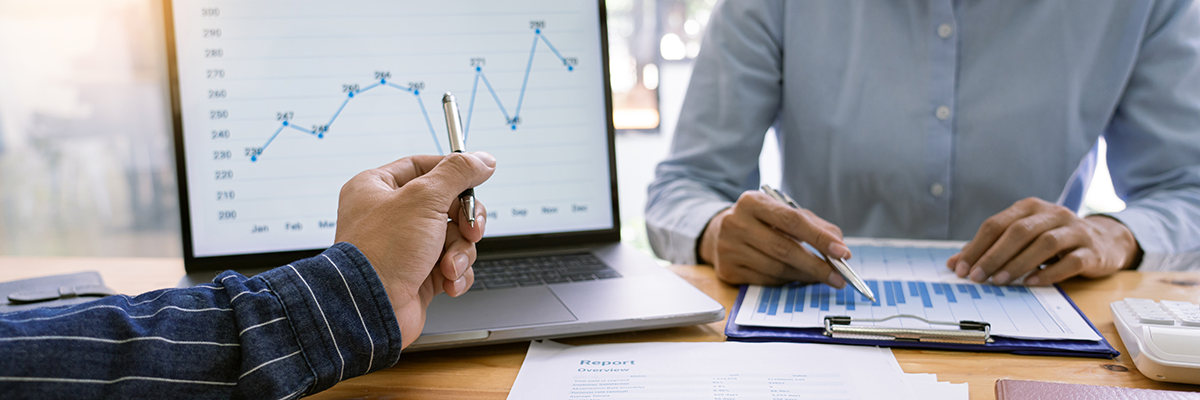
1162, 338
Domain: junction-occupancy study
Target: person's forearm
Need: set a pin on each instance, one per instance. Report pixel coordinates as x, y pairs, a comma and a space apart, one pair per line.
261, 337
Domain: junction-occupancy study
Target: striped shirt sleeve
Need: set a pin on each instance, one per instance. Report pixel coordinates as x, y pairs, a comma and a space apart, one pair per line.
285, 333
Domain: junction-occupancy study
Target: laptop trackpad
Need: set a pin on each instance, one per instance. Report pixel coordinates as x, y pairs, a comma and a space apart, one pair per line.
494, 309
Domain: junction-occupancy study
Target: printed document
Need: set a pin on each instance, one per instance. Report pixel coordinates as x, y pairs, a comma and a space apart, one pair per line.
912, 278
716, 370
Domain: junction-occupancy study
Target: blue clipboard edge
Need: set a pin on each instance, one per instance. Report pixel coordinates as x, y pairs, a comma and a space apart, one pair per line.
1065, 348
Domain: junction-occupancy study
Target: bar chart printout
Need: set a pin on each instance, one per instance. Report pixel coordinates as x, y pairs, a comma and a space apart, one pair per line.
910, 277
1013, 311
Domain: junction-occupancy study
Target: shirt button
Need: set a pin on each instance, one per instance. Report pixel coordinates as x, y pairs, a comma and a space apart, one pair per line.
943, 113
937, 190
945, 30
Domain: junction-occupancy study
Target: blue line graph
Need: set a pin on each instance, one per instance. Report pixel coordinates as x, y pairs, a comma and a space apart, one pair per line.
513, 120
319, 130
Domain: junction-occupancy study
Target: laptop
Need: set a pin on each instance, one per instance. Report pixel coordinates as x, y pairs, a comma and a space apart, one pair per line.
277, 104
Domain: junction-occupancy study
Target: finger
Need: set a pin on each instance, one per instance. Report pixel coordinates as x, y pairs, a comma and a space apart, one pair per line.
459, 254
753, 259
800, 225
454, 174
1069, 265
776, 254
952, 262
461, 285
472, 232
831, 228
1015, 239
399, 172
1048, 245
989, 232
740, 274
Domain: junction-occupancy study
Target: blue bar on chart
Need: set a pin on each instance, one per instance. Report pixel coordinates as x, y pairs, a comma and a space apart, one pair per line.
775, 292
949, 293
925, 300
874, 285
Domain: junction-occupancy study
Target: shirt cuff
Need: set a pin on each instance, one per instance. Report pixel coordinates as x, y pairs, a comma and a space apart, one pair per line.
340, 312
677, 243
1151, 237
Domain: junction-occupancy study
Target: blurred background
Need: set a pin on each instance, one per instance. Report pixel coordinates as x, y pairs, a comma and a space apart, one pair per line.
86, 157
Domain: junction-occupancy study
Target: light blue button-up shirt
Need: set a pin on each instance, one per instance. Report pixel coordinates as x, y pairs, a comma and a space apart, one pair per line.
922, 118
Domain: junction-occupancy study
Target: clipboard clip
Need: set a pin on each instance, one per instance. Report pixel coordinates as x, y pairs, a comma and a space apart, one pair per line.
969, 332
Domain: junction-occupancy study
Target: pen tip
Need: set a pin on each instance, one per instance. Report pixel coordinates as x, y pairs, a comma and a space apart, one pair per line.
446, 98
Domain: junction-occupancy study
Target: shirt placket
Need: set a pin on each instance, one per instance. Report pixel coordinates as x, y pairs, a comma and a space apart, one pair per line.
943, 36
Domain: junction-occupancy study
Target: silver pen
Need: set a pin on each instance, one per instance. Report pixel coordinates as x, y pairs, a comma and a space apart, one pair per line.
458, 145
838, 264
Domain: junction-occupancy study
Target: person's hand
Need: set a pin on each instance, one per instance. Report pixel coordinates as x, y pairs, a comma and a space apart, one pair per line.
756, 241
397, 216
1034, 232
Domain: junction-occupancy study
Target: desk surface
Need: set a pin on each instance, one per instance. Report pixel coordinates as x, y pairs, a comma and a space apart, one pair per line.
488, 372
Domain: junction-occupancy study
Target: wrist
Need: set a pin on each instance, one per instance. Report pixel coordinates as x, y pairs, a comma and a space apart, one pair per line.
1121, 239
706, 249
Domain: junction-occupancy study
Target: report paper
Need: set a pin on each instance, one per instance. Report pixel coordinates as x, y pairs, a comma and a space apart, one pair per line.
914, 280
728, 370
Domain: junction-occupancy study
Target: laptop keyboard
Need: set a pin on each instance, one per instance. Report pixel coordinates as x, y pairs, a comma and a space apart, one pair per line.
540, 270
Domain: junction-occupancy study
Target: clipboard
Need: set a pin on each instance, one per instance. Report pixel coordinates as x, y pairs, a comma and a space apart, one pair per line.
995, 344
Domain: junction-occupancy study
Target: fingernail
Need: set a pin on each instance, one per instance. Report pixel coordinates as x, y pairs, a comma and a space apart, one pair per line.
836, 280
978, 275
460, 264
961, 269
839, 250
460, 285
487, 159
1032, 281
1001, 278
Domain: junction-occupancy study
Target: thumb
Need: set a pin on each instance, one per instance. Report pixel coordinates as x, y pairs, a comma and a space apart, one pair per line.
454, 174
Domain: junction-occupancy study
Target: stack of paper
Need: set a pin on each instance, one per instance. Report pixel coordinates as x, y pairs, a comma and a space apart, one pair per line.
726, 370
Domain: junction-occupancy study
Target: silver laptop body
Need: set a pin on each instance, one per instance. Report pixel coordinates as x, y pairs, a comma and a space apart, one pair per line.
256, 110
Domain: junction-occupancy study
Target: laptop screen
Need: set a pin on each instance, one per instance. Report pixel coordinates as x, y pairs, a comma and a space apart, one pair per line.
279, 102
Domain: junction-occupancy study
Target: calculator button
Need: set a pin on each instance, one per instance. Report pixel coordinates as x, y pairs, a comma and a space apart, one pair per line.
1132, 301
1179, 304
1191, 322
1156, 319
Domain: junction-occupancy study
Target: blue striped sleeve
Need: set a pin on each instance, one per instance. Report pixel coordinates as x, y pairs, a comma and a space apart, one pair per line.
285, 333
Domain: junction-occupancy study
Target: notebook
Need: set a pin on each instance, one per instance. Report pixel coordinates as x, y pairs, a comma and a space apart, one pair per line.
1010, 389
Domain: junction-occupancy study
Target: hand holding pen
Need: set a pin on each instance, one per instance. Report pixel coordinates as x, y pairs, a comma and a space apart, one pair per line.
839, 265
755, 242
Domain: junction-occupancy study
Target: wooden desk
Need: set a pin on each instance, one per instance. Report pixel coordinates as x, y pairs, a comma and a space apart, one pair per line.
488, 372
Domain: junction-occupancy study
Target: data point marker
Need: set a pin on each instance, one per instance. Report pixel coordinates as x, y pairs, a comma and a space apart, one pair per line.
253, 158
351, 94
477, 69
320, 136
285, 123
514, 127
570, 68
383, 81
416, 92
537, 31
